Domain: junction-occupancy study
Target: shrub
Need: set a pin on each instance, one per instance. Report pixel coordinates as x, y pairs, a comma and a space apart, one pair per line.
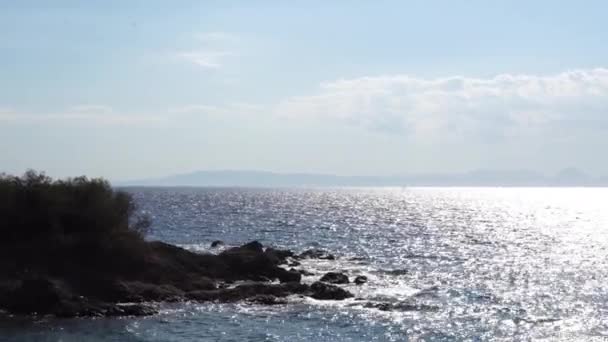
36, 207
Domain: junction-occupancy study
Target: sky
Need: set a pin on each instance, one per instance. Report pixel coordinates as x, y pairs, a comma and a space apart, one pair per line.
136, 89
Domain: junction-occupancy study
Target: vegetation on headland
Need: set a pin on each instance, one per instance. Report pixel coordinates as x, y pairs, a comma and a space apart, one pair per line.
76, 247
34, 206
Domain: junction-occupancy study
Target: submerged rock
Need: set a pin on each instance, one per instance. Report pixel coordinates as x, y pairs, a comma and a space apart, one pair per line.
359, 280
402, 306
217, 243
396, 272
316, 254
335, 278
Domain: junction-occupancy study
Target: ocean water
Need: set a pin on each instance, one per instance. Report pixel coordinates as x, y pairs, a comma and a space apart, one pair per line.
475, 264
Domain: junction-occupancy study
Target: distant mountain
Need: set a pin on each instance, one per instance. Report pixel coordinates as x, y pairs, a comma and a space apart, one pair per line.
572, 175
226, 178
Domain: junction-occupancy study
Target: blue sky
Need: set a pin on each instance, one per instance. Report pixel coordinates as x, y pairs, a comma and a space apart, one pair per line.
132, 89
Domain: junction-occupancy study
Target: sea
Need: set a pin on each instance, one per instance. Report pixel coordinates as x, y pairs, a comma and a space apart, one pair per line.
443, 264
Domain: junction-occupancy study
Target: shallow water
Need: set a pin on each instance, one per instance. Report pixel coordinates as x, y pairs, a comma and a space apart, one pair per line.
457, 263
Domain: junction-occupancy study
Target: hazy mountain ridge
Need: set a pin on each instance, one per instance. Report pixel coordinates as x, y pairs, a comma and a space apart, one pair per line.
245, 178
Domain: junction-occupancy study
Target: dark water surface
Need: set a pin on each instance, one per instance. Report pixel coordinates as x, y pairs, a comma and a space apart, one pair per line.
478, 264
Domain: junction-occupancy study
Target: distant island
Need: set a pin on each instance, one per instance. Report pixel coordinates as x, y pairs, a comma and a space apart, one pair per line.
228, 178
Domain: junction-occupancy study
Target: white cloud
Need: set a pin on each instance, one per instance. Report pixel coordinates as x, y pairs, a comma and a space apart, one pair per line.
212, 51
205, 59
463, 107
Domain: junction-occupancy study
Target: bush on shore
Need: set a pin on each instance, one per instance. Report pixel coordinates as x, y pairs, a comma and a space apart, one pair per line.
34, 207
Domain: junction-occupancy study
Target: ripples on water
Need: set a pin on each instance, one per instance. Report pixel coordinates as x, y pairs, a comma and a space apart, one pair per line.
458, 263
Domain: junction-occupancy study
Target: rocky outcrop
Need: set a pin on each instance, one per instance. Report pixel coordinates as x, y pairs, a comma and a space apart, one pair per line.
335, 278
321, 290
44, 296
97, 284
250, 261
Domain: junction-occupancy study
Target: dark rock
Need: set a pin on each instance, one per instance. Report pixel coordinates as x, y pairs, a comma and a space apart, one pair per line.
246, 291
359, 280
305, 273
266, 300
302, 272
401, 307
146, 272
37, 295
321, 290
415, 307
217, 243
137, 291
335, 278
285, 276
153, 292
132, 310
357, 259
379, 306
253, 246
251, 262
396, 272
294, 263
316, 254
279, 255
45, 296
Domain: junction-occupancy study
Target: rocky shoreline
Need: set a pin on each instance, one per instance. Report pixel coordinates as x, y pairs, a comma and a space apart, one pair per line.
104, 284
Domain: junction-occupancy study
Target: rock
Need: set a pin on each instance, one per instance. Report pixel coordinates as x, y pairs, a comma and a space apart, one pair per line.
379, 306
217, 243
401, 307
335, 278
266, 300
246, 291
316, 254
357, 259
396, 272
253, 246
324, 291
359, 280
294, 263
45, 296
132, 310
153, 292
251, 262
302, 272
289, 276
37, 295
279, 255
105, 275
